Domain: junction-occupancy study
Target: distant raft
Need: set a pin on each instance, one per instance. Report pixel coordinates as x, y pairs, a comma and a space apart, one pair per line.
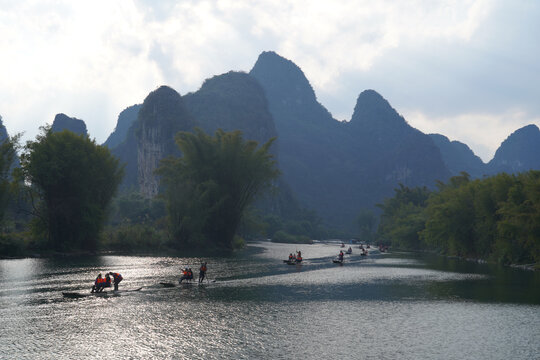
293, 261
171, 285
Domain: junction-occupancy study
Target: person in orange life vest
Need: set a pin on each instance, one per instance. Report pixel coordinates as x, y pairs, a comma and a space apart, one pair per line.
116, 278
299, 256
291, 257
190, 274
99, 284
107, 280
202, 272
185, 275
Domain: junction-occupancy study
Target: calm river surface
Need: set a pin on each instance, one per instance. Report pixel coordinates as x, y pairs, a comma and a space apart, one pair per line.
383, 306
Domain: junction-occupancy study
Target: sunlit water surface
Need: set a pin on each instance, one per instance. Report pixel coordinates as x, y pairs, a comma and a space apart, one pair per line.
383, 306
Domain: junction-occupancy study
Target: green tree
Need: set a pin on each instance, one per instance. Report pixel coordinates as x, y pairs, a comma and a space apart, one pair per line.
403, 217
495, 218
450, 221
74, 180
8, 153
131, 207
518, 231
208, 189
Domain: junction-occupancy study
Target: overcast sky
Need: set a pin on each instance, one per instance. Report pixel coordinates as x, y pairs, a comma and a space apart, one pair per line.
467, 69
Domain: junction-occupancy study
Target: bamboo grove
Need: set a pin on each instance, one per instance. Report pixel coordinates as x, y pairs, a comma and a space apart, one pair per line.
209, 187
495, 218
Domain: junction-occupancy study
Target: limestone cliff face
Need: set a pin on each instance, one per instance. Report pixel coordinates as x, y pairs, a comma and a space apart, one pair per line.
149, 152
161, 116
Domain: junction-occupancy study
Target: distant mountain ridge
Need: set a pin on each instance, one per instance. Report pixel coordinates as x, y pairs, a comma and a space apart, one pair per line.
518, 153
334, 167
340, 168
458, 157
337, 168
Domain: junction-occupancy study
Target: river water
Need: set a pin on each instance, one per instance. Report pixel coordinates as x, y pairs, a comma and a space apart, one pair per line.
383, 306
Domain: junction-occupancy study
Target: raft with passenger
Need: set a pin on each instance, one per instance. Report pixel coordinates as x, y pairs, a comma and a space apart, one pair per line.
294, 259
339, 259
76, 295
185, 284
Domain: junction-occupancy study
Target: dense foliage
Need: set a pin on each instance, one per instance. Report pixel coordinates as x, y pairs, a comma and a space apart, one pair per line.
9, 243
403, 217
7, 157
73, 181
208, 189
496, 218
135, 224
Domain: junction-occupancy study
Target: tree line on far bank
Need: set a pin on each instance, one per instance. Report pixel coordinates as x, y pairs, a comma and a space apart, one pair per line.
63, 197
495, 218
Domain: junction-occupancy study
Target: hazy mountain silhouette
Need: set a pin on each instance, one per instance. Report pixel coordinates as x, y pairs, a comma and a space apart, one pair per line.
232, 101
339, 168
63, 122
126, 118
458, 157
518, 153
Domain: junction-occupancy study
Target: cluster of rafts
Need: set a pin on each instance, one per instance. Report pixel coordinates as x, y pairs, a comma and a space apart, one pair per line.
294, 259
297, 259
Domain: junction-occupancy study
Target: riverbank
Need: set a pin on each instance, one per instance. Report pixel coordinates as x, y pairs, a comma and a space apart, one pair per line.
528, 267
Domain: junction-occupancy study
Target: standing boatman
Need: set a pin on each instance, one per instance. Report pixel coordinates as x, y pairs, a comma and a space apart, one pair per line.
116, 278
202, 272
